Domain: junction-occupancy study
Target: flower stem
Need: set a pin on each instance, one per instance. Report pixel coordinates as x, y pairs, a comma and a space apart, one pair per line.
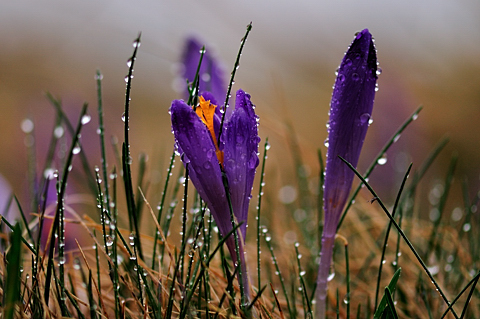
323, 273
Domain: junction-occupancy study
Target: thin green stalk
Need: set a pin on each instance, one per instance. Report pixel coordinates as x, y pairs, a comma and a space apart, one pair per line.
160, 207
279, 274
24, 219
11, 288
259, 207
61, 196
203, 269
97, 260
474, 282
347, 270
305, 298
171, 210
142, 165
391, 305
441, 204
85, 164
193, 90
232, 78
395, 207
184, 225
101, 133
91, 300
116, 282
469, 297
30, 247
126, 157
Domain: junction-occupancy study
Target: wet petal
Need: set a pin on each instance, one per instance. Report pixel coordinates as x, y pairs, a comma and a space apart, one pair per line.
212, 75
195, 143
240, 150
350, 112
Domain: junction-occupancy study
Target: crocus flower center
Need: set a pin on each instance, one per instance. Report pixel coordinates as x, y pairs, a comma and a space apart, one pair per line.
206, 112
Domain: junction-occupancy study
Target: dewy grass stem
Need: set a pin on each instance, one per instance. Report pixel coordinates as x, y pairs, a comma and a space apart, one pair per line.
101, 131
395, 207
232, 79
259, 206
61, 196
160, 207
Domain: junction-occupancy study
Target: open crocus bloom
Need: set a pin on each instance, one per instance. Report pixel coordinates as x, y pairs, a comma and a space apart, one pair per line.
234, 156
350, 112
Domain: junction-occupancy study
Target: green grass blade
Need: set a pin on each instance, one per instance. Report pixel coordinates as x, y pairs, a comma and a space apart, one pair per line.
391, 306
61, 196
301, 274
472, 282
126, 156
232, 78
347, 278
161, 207
395, 207
13, 280
268, 239
30, 247
259, 207
85, 164
441, 204
24, 219
101, 133
384, 302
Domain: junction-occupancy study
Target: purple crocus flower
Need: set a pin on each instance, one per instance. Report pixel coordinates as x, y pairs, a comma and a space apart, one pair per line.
350, 113
196, 134
212, 75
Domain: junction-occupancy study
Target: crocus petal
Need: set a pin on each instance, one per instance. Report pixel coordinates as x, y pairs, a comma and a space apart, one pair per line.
212, 75
240, 141
197, 148
350, 113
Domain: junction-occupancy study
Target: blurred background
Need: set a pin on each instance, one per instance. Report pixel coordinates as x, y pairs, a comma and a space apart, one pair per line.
428, 50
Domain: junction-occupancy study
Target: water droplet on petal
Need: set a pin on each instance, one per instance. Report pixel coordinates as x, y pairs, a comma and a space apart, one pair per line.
364, 118
240, 138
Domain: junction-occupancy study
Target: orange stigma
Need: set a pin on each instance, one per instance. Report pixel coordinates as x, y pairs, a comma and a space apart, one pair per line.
206, 112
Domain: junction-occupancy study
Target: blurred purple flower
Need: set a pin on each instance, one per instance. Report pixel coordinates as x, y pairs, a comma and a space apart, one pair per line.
196, 135
212, 77
350, 113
